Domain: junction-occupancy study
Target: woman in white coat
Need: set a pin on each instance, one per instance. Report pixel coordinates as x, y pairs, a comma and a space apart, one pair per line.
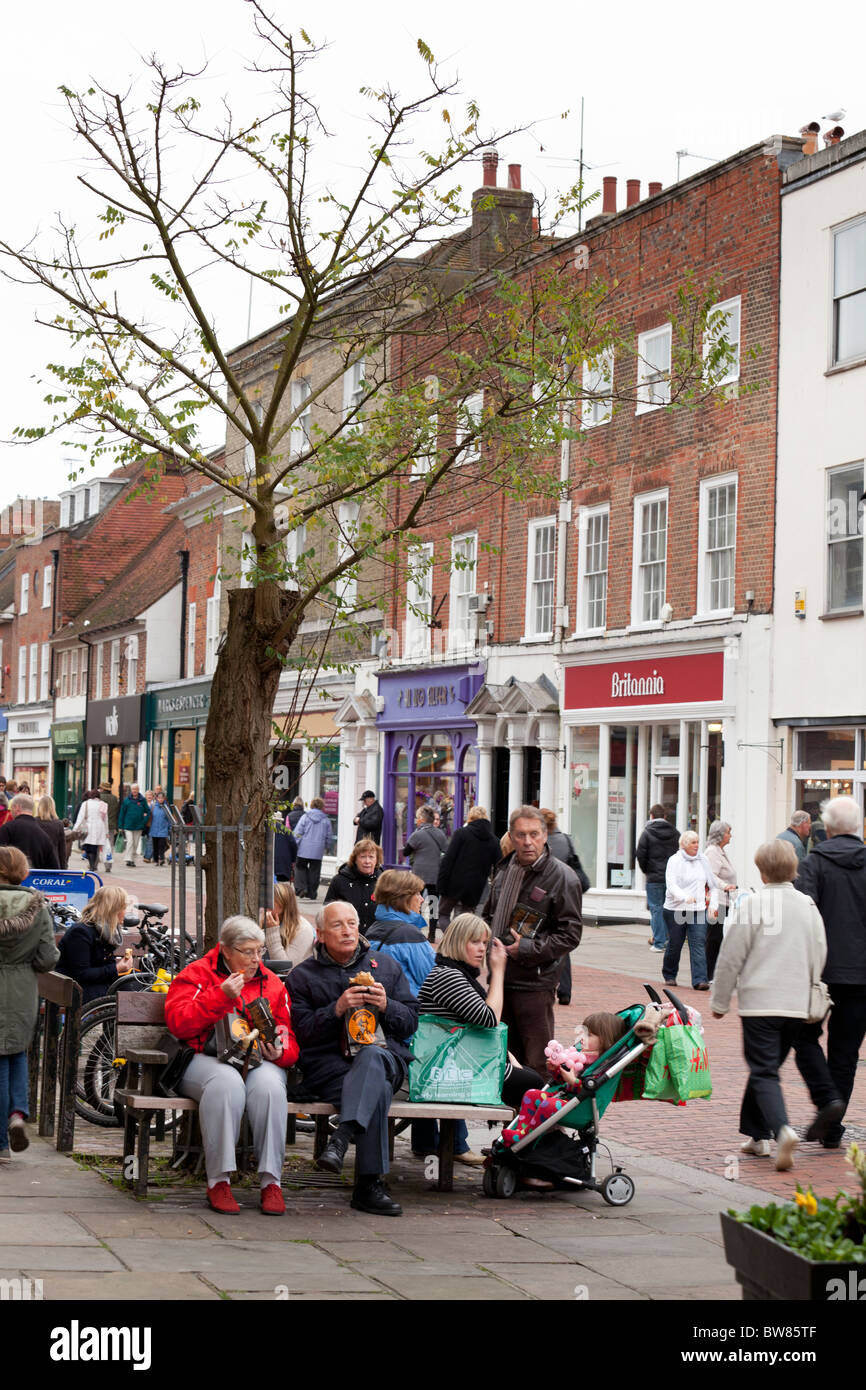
92, 820
691, 898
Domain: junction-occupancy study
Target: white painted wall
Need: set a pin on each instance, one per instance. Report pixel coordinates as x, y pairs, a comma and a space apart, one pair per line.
162, 629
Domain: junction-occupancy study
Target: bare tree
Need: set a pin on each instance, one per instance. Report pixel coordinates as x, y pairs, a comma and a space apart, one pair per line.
383, 276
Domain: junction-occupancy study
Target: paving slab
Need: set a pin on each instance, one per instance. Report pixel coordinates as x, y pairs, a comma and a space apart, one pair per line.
455, 1288
45, 1257
478, 1250
726, 1293
361, 1252
39, 1229
13, 1205
145, 1224
641, 1247
215, 1255
333, 1280
665, 1271
565, 1282
315, 1296
124, 1286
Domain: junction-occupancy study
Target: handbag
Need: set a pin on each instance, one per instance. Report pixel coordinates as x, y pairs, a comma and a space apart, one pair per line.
820, 1002
457, 1063
179, 1057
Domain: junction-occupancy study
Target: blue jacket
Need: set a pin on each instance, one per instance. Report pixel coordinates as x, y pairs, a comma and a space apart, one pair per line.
313, 834
160, 821
401, 935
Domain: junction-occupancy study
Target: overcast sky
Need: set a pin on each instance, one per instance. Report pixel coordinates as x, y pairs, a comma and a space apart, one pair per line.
655, 79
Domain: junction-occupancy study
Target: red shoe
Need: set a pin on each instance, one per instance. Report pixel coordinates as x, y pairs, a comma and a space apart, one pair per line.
272, 1200
220, 1199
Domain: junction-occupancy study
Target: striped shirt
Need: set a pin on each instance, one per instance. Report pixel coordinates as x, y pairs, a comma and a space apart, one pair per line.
448, 993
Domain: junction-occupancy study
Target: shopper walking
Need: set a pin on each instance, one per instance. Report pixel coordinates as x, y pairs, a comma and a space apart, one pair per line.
718, 839
159, 828
50, 822
658, 842
314, 835
466, 864
24, 832
91, 825
691, 896
797, 833
133, 819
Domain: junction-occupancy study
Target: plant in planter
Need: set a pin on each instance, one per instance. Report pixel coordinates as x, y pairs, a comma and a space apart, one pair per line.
804, 1249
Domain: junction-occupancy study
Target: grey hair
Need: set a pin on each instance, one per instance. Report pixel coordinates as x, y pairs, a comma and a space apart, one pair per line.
841, 815
800, 817
427, 814
527, 813
23, 802
234, 930
320, 915
687, 837
717, 832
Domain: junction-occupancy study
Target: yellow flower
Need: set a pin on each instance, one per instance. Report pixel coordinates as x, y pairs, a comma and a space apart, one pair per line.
807, 1201
800, 1199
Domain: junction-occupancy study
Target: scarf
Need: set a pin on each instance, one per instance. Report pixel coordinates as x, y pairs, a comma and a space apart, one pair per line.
471, 972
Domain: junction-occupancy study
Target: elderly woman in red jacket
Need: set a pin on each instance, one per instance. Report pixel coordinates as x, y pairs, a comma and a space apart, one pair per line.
218, 988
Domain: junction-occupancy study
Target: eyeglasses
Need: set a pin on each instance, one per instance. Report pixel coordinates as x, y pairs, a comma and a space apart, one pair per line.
257, 953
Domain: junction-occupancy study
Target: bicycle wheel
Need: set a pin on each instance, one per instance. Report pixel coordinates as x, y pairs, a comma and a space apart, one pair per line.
96, 1075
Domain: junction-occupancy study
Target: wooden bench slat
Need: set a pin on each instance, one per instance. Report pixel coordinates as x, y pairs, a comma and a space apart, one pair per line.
140, 1006
145, 1056
133, 1101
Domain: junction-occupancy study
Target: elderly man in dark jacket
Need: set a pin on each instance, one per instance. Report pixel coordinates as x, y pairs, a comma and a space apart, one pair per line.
24, 832
466, 864
362, 1085
369, 821
534, 908
834, 876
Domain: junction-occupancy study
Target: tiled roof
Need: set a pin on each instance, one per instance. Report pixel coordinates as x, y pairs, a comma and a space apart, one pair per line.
150, 573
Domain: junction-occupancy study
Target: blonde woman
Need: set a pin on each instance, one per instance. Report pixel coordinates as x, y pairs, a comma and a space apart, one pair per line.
288, 935
50, 822
88, 949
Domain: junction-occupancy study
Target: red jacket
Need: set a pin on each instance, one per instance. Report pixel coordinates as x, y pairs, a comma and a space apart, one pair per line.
195, 1001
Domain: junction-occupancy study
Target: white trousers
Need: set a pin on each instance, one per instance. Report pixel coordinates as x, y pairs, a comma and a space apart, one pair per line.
222, 1097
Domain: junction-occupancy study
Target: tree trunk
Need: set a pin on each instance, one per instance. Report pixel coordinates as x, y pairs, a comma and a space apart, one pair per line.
236, 745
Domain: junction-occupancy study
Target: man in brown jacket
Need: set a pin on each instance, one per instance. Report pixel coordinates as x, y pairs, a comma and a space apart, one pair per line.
534, 908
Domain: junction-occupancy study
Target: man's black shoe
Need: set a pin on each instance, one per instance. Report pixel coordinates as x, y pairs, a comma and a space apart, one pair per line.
372, 1195
826, 1119
332, 1155
833, 1141
564, 998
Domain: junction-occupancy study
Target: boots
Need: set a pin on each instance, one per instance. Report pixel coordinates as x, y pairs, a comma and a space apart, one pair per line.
372, 1195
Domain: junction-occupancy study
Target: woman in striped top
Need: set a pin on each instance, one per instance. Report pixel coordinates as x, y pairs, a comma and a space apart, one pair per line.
452, 991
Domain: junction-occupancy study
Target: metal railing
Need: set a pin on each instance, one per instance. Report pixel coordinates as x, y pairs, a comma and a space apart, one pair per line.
53, 1058
187, 856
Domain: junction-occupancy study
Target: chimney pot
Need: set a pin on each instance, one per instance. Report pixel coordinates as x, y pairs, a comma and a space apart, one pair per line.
833, 136
608, 203
489, 161
632, 192
514, 176
654, 189
810, 134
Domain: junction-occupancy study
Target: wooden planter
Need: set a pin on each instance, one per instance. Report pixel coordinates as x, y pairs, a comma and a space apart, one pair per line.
768, 1270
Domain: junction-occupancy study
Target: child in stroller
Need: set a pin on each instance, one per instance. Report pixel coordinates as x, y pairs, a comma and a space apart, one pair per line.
545, 1153
596, 1035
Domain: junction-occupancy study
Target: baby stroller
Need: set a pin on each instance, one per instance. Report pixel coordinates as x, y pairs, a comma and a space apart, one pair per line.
568, 1160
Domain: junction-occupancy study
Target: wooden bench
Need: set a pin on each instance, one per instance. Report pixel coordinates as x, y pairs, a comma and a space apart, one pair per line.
140, 1031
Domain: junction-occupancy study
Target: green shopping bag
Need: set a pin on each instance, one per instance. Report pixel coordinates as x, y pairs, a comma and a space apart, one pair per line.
687, 1061
457, 1063
657, 1080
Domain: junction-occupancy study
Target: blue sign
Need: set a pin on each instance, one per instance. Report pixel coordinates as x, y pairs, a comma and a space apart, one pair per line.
69, 889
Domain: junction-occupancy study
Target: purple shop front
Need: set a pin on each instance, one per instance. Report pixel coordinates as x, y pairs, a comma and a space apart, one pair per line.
431, 754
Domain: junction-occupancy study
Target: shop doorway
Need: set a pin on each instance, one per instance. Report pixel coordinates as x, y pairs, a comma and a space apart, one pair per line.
499, 811
531, 776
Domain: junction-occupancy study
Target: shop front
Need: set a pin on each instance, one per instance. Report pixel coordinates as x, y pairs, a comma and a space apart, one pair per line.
827, 758
115, 734
641, 733
431, 749
68, 753
177, 716
28, 750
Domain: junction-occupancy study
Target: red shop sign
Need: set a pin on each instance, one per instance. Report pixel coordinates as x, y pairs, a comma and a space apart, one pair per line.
677, 680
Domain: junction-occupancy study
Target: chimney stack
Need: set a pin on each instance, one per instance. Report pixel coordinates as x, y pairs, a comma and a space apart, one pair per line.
608, 203
653, 190
632, 192
514, 176
810, 134
832, 137
489, 161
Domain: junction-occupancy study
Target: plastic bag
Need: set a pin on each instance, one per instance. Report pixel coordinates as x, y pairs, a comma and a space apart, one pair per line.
456, 1063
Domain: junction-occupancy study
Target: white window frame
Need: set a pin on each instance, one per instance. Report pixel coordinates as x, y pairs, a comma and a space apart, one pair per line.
64, 673
300, 434
586, 516
470, 413
47, 584
531, 631
24, 605
33, 688
843, 537
733, 311
295, 546
428, 444
64, 510
44, 672
649, 379
348, 517
82, 670
212, 634
190, 640
708, 486
642, 500
131, 664
114, 670
597, 377
835, 299
354, 391
464, 582
73, 671
99, 678
419, 594
22, 675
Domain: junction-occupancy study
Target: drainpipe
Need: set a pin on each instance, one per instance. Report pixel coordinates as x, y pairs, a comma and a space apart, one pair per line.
562, 623
184, 589
55, 565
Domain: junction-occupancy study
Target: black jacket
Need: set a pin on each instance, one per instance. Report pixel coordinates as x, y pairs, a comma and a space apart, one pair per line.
285, 854
466, 863
56, 833
552, 891
26, 834
87, 957
349, 885
316, 985
370, 823
834, 876
658, 842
